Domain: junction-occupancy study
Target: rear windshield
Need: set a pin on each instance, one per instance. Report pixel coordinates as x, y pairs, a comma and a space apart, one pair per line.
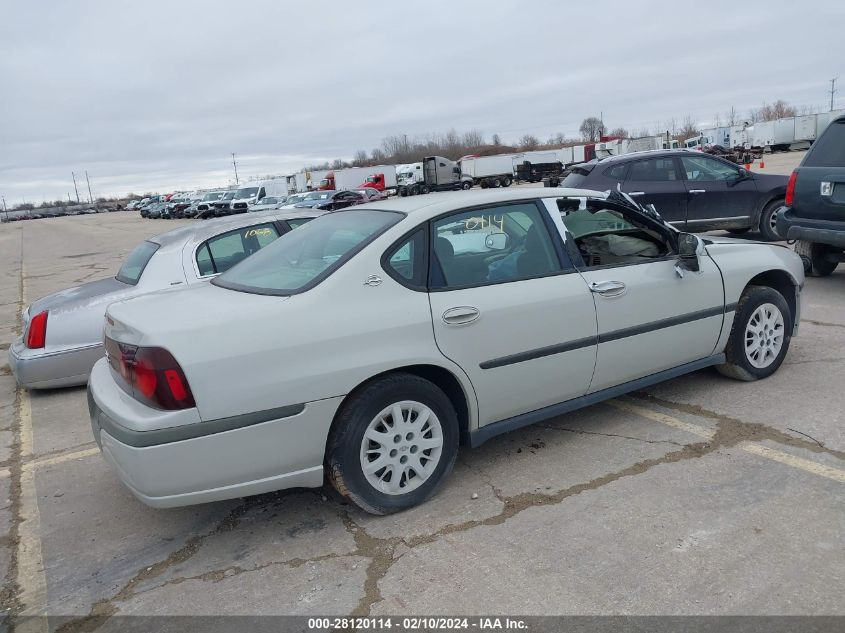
302, 258
829, 150
133, 266
573, 180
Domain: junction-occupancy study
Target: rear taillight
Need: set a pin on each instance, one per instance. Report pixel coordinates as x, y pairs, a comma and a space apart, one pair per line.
150, 374
790, 189
36, 335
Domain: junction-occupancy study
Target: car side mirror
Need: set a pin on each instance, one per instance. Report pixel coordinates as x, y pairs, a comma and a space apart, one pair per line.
496, 241
690, 248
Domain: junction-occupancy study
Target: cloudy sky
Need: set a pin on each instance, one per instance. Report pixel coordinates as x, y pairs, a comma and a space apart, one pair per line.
156, 95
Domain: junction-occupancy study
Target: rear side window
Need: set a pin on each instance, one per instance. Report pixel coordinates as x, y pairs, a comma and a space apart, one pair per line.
407, 263
220, 253
617, 172
653, 170
829, 149
133, 266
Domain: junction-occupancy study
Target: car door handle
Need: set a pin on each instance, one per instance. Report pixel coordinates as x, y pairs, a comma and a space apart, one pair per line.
608, 288
698, 190
636, 193
461, 315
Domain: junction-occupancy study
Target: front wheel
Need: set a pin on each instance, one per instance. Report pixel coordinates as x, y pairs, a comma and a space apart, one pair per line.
393, 443
466, 185
768, 221
760, 335
819, 260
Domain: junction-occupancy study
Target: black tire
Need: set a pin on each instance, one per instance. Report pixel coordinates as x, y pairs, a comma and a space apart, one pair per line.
495, 183
816, 258
466, 185
506, 181
739, 231
424, 189
484, 184
343, 451
738, 365
403, 192
767, 221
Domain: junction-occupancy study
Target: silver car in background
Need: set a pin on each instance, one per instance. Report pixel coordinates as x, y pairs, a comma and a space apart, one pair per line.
62, 334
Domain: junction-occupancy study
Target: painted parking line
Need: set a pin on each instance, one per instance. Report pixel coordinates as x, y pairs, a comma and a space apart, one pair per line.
668, 420
753, 448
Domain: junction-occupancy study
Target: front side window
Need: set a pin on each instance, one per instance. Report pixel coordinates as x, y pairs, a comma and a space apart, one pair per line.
606, 237
133, 266
491, 245
653, 170
701, 168
220, 253
302, 258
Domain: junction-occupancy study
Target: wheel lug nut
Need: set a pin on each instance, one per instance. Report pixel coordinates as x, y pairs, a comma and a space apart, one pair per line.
394, 452
409, 436
397, 438
403, 459
414, 448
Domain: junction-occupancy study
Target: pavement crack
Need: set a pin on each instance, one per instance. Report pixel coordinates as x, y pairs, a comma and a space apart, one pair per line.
736, 431
624, 437
380, 551
823, 323
102, 610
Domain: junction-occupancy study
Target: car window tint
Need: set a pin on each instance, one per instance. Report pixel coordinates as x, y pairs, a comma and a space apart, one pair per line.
652, 170
133, 266
617, 172
829, 149
701, 168
204, 264
492, 245
297, 222
408, 259
226, 250
302, 258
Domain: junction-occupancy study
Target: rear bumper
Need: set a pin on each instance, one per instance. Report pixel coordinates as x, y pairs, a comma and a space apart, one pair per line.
280, 452
45, 369
828, 232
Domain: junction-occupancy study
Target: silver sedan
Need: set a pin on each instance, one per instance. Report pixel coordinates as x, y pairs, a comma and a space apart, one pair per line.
63, 332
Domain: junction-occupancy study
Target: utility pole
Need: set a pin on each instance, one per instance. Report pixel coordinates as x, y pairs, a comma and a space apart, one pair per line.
236, 167
5, 209
75, 188
90, 197
832, 91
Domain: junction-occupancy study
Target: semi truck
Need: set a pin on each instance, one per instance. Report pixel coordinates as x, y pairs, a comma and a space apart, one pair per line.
355, 177
385, 181
488, 171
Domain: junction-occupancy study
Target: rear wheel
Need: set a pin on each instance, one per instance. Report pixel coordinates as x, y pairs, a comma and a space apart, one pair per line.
768, 221
506, 181
423, 189
484, 184
759, 336
819, 260
393, 443
496, 183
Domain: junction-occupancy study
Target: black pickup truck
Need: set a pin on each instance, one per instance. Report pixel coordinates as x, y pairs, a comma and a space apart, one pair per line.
815, 203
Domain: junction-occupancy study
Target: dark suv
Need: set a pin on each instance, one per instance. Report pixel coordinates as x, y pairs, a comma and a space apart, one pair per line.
815, 203
691, 190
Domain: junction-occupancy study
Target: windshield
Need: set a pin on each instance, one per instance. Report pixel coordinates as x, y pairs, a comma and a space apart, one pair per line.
302, 258
229, 195
297, 197
133, 266
211, 196
318, 195
246, 192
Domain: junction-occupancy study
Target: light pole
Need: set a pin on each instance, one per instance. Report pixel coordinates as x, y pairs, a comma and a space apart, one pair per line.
236, 167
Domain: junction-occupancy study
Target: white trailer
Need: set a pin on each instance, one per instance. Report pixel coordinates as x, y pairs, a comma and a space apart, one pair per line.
763, 134
565, 156
805, 128
740, 136
784, 134
579, 154
489, 171
823, 119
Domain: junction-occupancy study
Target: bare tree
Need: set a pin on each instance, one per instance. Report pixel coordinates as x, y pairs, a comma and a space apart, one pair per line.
689, 129
619, 131
591, 129
360, 158
733, 117
529, 142
497, 140
780, 109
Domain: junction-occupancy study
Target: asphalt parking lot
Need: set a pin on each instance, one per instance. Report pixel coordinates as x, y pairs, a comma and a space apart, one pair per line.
700, 496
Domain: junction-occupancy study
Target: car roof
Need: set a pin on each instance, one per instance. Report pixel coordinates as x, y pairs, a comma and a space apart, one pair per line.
201, 230
645, 153
434, 204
